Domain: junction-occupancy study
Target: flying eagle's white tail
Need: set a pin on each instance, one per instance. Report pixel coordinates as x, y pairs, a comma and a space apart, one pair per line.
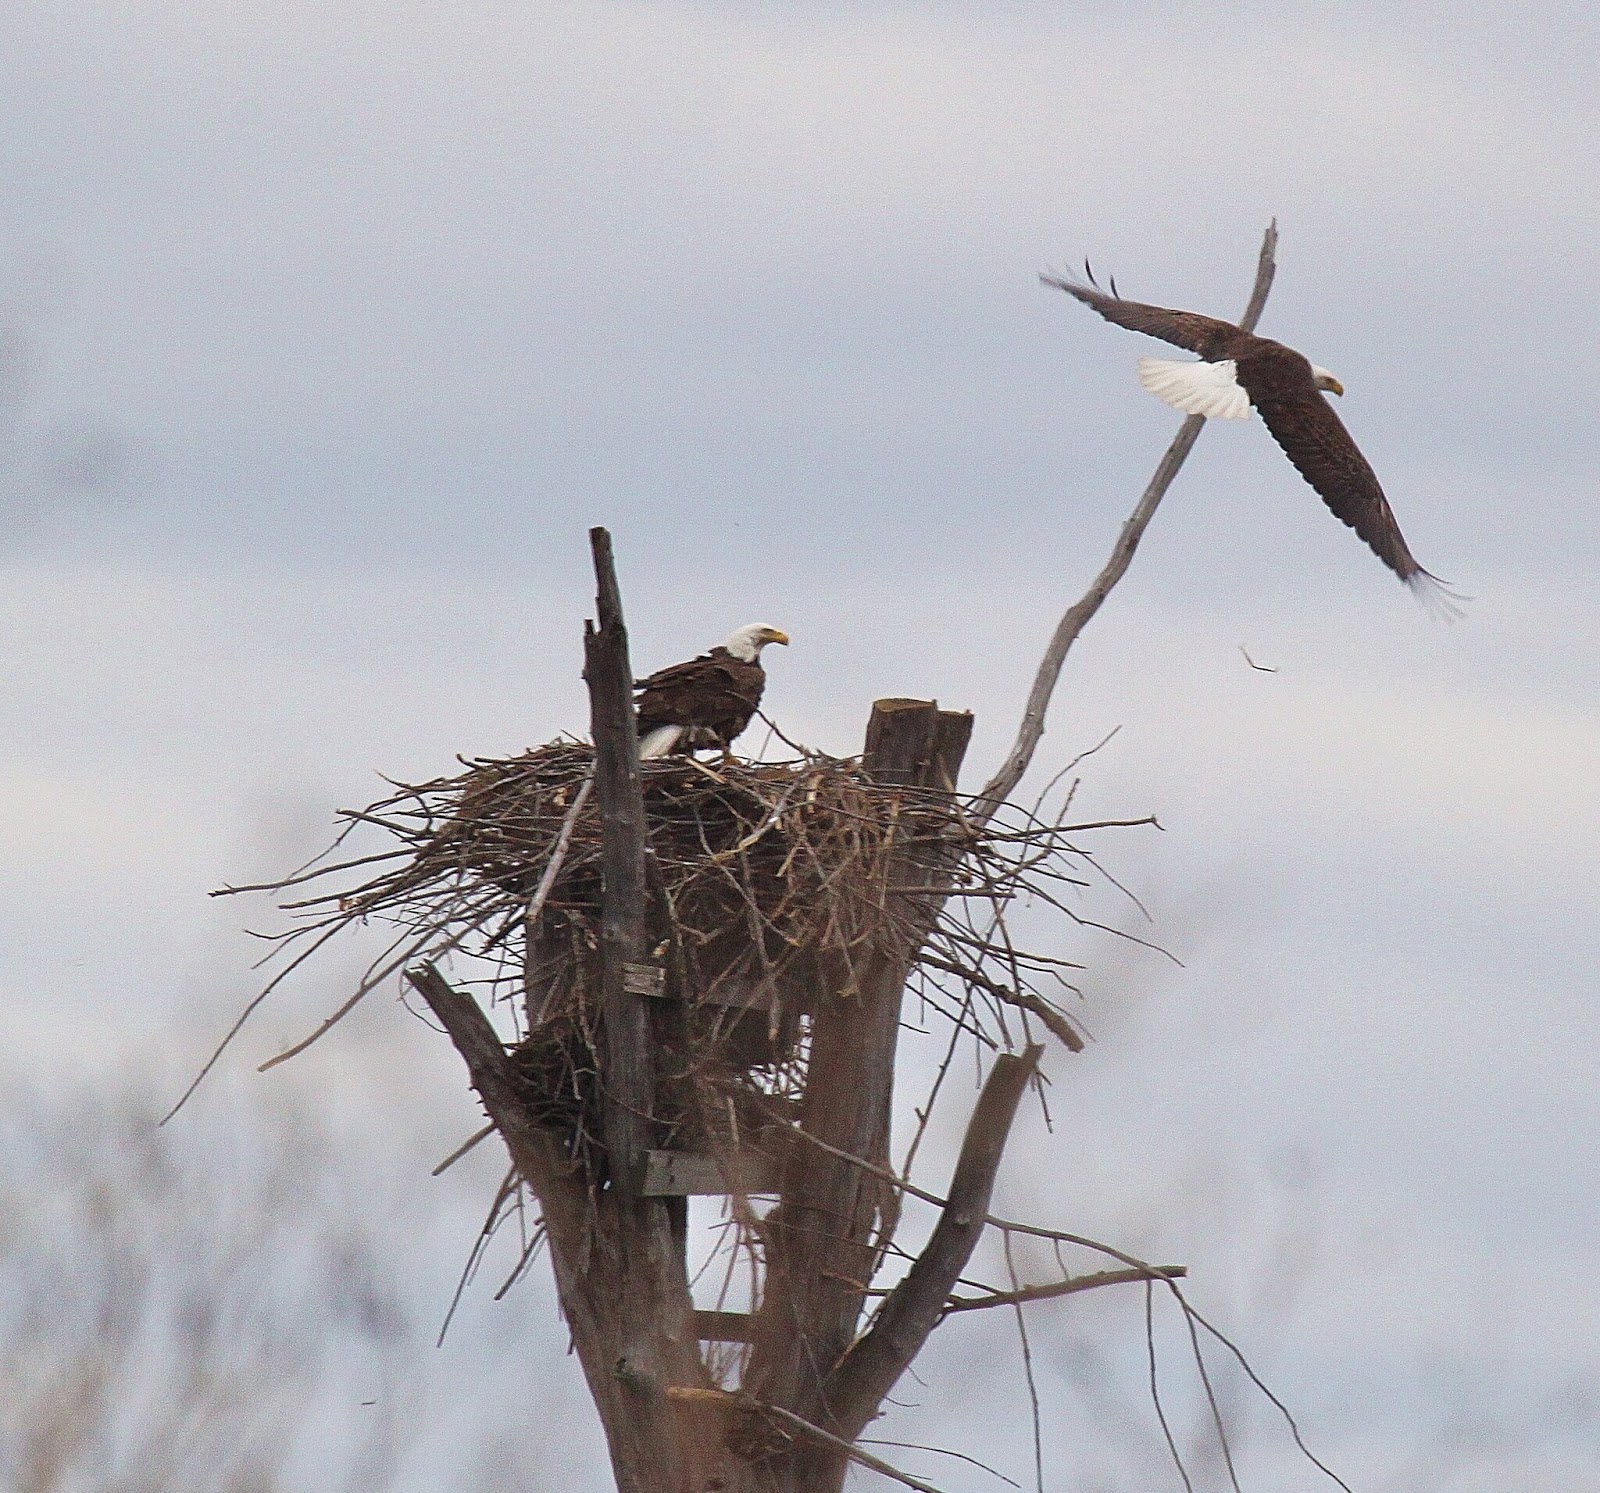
1209, 389
1438, 600
659, 742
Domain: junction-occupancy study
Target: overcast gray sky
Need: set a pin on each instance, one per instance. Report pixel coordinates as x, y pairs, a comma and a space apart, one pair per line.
331, 327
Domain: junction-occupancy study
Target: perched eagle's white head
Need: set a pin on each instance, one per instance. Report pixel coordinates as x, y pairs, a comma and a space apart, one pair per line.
747, 642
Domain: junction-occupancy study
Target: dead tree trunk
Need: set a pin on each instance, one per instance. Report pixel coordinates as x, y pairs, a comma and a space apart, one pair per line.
618, 1274
820, 1241
815, 1379
617, 1255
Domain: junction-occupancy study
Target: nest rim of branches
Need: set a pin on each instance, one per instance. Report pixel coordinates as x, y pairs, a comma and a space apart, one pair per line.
767, 877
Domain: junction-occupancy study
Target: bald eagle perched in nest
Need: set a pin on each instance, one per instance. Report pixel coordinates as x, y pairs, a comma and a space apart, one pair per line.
707, 701
1238, 370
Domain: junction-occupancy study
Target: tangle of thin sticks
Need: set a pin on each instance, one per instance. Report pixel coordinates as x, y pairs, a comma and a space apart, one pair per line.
1211, 1400
939, 1451
1152, 1275
771, 880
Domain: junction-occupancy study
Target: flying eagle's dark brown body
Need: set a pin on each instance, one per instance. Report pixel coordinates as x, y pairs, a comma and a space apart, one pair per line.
1282, 386
713, 697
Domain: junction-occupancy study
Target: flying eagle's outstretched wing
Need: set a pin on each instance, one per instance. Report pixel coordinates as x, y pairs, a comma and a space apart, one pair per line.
1283, 388
1205, 335
1287, 389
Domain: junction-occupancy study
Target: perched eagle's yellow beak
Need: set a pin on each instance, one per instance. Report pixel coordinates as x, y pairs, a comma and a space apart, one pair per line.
775, 635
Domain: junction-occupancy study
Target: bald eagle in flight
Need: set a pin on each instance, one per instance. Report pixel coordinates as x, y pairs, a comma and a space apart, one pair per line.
1238, 370
707, 701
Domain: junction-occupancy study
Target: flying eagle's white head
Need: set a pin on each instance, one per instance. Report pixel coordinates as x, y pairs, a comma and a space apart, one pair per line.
1326, 381
747, 642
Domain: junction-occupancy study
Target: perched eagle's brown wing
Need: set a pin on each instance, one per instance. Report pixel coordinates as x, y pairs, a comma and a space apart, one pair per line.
733, 689
1200, 334
673, 674
665, 698
1282, 387
715, 693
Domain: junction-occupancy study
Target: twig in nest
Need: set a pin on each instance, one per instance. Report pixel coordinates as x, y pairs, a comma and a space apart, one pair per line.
558, 856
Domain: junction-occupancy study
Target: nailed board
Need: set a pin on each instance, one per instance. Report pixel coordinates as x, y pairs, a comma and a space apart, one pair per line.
722, 1327
689, 1174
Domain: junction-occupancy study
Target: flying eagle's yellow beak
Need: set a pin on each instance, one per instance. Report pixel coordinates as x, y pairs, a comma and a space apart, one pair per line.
1326, 381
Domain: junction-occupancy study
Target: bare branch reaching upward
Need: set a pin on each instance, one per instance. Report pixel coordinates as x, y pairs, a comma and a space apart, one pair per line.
1076, 618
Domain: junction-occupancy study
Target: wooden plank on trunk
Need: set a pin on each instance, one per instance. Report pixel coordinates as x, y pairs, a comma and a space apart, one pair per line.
693, 1174
722, 1327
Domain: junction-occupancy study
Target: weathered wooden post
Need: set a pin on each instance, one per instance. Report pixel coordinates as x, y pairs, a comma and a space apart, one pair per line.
628, 1076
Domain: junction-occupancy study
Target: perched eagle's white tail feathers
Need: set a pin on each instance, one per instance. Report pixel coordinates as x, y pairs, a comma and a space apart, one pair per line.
1438, 600
659, 742
1209, 389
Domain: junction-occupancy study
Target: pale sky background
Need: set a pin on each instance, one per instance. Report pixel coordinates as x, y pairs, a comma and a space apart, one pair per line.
330, 328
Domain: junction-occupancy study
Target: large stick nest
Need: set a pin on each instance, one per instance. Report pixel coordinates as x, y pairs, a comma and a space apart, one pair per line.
773, 886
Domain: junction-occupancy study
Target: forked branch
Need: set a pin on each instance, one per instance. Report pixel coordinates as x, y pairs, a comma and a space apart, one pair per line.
491, 1074
721, 1400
